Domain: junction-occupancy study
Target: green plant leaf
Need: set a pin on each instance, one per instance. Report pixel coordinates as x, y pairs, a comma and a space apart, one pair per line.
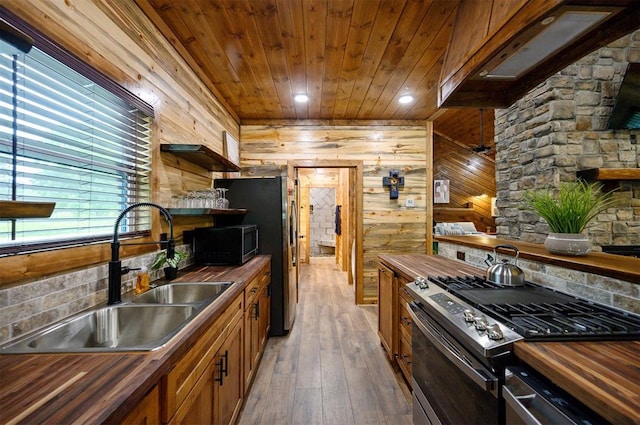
570, 208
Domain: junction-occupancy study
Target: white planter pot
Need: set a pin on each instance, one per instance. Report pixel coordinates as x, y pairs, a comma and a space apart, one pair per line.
568, 244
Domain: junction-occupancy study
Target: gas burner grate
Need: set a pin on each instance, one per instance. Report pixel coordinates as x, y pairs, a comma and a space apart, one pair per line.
461, 282
577, 320
539, 313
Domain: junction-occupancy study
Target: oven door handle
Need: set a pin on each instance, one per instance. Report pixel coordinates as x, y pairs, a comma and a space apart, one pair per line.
481, 377
516, 403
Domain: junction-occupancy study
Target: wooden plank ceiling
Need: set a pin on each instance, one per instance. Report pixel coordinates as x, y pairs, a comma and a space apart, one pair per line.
354, 58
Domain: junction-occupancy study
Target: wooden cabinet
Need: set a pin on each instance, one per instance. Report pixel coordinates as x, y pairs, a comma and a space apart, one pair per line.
216, 398
229, 389
387, 304
189, 386
147, 411
256, 322
394, 321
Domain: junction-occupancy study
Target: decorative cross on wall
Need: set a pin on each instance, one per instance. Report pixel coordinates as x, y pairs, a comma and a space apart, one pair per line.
394, 181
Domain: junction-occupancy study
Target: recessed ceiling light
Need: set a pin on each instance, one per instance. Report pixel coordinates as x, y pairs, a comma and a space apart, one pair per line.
548, 20
406, 98
301, 98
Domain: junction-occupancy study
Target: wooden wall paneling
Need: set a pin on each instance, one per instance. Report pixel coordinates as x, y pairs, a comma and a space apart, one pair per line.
337, 31
293, 42
399, 147
409, 40
387, 17
315, 32
275, 56
470, 29
427, 73
119, 40
362, 15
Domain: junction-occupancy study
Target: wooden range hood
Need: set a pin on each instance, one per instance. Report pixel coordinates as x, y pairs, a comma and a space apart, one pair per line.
492, 66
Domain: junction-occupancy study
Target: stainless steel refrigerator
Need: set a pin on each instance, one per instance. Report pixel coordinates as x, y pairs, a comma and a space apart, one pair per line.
271, 204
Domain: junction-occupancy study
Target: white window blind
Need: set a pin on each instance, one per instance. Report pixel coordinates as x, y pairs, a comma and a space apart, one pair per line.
66, 139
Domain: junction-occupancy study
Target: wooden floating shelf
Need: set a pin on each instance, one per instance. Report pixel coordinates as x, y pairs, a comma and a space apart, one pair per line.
206, 211
607, 174
21, 209
200, 155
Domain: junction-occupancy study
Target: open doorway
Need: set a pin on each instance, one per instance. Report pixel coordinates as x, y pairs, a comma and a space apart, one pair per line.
343, 226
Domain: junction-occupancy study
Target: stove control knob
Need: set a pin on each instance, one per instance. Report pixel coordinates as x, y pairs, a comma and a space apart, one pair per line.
469, 315
494, 332
481, 323
421, 282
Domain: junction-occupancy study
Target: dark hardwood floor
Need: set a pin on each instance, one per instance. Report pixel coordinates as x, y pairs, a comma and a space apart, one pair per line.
330, 369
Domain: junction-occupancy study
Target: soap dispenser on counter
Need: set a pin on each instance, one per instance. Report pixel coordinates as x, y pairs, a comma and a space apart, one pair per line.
142, 282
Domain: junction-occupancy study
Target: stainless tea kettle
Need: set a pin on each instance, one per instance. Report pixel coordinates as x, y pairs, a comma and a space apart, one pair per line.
504, 273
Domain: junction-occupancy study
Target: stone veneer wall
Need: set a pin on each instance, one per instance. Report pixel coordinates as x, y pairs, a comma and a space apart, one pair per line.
560, 127
322, 222
601, 289
30, 306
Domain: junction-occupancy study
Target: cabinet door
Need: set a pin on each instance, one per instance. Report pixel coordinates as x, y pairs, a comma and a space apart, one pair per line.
387, 302
198, 405
147, 411
228, 378
264, 316
251, 338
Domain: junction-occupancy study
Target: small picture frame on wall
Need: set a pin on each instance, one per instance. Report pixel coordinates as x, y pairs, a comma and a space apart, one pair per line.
231, 148
441, 191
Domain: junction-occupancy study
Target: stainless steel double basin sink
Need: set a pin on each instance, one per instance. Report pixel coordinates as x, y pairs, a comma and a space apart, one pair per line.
145, 323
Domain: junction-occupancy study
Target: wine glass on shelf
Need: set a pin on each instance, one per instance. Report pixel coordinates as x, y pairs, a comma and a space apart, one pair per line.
222, 203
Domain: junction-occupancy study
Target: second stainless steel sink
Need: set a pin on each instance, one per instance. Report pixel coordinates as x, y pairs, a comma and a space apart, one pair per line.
183, 293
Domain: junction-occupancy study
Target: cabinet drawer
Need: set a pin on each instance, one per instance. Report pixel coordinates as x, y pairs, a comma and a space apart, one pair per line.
404, 319
251, 292
179, 382
253, 288
265, 275
405, 356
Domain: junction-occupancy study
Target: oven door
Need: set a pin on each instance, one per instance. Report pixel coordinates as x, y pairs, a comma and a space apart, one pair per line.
451, 385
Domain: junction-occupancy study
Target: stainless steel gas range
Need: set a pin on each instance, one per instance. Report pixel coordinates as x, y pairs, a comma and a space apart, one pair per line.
464, 331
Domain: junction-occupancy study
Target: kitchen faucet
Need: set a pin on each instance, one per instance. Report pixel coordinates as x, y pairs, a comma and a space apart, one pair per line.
115, 265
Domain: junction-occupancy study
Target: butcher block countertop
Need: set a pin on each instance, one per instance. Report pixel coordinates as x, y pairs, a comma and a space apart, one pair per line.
104, 387
603, 375
611, 265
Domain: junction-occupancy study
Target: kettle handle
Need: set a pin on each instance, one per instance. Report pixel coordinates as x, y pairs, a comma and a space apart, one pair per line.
507, 246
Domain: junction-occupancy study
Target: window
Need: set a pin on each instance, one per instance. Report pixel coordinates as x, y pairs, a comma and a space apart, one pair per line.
66, 139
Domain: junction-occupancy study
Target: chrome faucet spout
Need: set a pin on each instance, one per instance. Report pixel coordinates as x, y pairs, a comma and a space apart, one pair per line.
115, 265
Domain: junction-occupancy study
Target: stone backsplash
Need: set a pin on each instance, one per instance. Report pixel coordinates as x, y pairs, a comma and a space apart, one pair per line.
31, 306
601, 289
559, 128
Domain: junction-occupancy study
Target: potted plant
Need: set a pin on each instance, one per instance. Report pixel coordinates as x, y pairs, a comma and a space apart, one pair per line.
568, 211
170, 265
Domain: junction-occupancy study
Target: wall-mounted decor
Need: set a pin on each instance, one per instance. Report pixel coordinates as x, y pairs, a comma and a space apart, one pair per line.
231, 151
231, 147
441, 191
393, 182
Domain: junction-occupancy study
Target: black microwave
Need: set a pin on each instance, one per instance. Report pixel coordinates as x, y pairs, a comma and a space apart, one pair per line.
230, 245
